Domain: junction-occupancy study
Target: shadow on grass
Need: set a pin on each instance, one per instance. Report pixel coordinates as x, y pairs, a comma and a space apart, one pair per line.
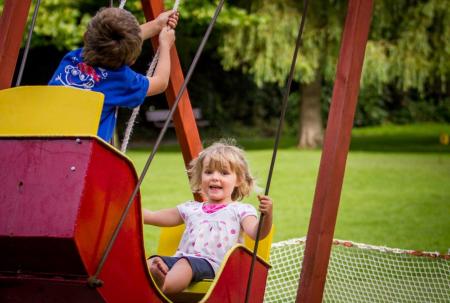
398, 143
417, 138
373, 143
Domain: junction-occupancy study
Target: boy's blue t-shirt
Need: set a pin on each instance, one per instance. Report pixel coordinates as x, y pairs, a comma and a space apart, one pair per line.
121, 87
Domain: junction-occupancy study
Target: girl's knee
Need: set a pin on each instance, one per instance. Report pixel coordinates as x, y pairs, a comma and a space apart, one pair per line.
171, 287
153, 260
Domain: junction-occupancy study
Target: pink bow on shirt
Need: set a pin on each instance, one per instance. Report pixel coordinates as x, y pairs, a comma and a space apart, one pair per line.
210, 208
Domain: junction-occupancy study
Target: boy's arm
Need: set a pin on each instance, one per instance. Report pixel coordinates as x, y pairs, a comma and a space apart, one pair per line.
250, 223
152, 28
160, 79
164, 217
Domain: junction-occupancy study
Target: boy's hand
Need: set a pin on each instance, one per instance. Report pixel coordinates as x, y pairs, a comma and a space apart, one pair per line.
168, 18
265, 205
166, 37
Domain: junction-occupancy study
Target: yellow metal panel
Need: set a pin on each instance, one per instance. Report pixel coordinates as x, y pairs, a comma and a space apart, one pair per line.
263, 245
169, 239
49, 110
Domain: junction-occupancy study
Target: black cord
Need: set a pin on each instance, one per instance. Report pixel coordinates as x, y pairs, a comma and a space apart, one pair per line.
27, 46
277, 141
93, 281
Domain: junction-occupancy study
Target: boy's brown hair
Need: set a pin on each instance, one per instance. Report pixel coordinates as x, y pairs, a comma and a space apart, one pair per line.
112, 39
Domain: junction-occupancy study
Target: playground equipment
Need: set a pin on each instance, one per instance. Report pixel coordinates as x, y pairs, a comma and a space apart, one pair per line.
81, 238
68, 261
63, 193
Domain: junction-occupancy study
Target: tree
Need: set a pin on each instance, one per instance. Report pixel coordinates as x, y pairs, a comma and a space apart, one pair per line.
408, 49
407, 55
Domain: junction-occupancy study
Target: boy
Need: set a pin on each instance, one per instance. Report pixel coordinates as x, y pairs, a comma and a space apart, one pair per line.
113, 42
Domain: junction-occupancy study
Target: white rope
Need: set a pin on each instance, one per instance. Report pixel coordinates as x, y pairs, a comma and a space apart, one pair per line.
134, 114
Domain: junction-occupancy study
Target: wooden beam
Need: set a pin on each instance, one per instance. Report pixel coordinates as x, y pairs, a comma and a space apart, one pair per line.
12, 26
184, 119
335, 150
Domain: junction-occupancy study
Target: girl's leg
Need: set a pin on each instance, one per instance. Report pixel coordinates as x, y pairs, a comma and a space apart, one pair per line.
178, 278
158, 269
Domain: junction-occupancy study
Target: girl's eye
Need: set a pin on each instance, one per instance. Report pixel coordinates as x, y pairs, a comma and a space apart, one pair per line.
225, 172
208, 172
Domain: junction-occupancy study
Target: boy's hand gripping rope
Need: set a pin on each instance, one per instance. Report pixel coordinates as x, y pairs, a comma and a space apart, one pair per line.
150, 72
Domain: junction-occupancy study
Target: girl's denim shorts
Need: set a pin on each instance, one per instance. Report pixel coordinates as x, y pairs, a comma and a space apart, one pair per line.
201, 269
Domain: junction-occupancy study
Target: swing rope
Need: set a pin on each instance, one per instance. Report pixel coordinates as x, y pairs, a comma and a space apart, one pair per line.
150, 72
277, 140
122, 3
27, 46
93, 280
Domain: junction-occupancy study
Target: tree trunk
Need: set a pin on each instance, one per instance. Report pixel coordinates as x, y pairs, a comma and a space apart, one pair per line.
310, 118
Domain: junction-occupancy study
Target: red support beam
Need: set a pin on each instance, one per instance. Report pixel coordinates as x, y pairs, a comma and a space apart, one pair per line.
184, 120
12, 26
335, 150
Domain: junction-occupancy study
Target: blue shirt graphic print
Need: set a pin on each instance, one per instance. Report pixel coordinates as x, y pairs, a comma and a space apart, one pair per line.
122, 87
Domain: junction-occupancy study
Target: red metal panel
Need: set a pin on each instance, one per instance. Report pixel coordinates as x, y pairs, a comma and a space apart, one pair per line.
61, 201
39, 199
54, 290
334, 155
184, 120
230, 287
12, 26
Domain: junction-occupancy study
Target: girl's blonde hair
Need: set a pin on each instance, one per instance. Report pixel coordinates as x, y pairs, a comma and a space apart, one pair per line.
221, 154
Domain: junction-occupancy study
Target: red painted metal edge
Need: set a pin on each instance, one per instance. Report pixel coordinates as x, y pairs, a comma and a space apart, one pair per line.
12, 26
335, 150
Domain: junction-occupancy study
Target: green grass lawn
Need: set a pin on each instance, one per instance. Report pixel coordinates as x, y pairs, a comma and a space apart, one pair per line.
396, 190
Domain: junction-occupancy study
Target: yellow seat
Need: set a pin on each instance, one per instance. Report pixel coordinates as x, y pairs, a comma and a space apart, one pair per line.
168, 244
49, 111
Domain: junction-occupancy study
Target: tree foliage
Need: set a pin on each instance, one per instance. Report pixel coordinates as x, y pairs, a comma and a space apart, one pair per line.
409, 43
407, 63
60, 23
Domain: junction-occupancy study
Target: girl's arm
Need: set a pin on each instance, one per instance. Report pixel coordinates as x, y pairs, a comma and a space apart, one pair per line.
164, 217
250, 223
152, 28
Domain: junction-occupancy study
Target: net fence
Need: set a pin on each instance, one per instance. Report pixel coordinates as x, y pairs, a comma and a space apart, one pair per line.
363, 273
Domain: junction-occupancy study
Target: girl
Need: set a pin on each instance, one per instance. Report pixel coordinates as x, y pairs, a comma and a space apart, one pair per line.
220, 173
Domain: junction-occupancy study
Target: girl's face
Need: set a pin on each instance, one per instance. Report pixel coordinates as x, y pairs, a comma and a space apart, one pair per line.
218, 184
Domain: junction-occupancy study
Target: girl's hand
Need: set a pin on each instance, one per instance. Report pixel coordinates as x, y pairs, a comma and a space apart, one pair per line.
168, 18
166, 37
265, 205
